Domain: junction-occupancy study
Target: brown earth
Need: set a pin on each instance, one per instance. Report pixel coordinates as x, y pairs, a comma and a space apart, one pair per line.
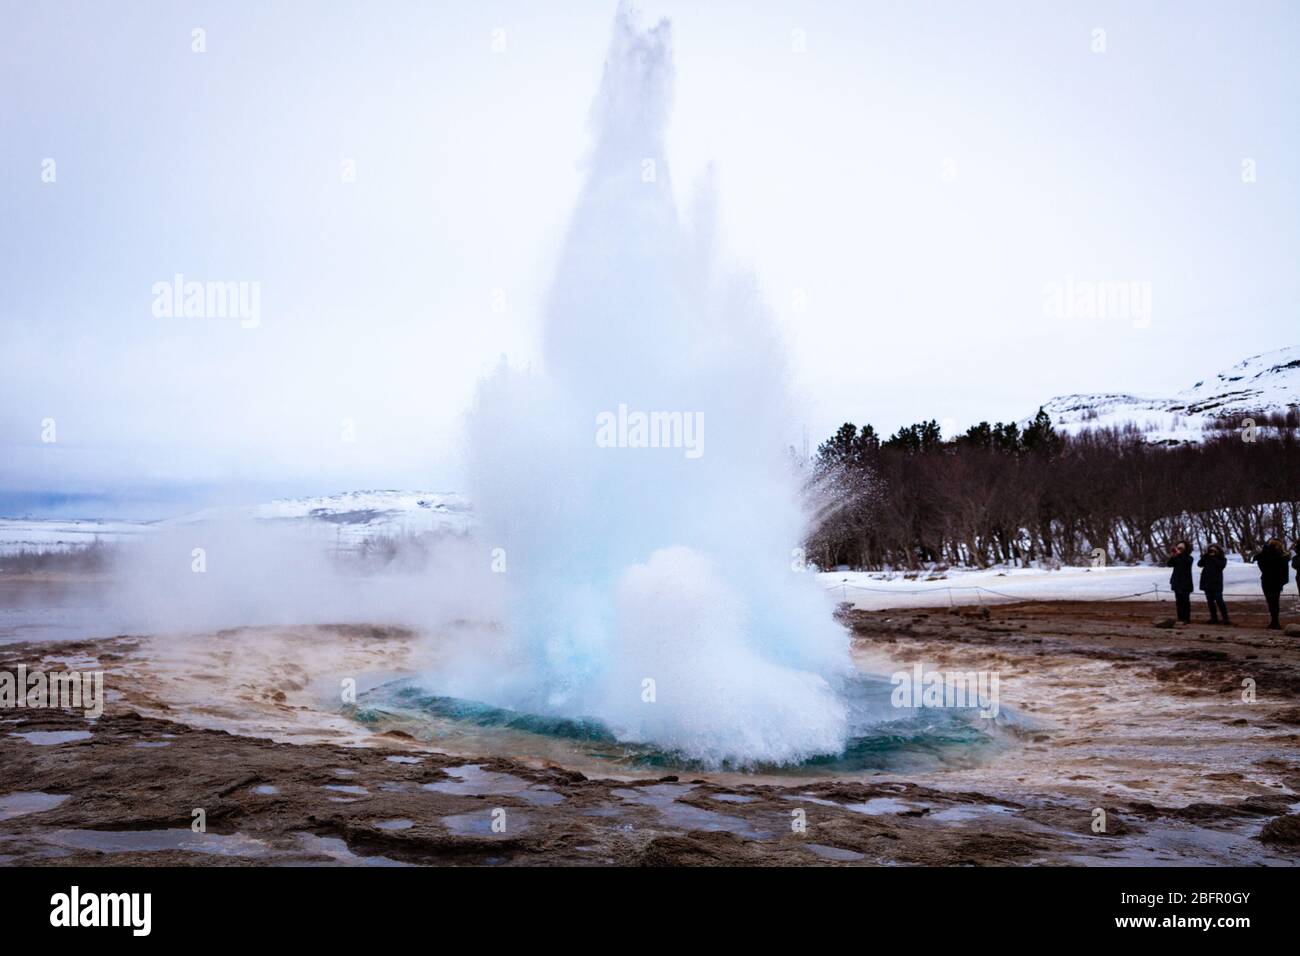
1144, 723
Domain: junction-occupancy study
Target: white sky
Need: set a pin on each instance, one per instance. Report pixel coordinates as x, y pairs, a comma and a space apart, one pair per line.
924, 298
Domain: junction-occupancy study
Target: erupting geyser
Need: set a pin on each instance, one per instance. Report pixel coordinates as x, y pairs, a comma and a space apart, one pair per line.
652, 587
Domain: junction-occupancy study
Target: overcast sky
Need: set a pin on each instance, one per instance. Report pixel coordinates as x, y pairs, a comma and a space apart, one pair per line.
904, 179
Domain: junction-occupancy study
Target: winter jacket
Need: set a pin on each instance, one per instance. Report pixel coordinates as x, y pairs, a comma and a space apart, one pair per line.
1181, 578
1273, 571
1212, 566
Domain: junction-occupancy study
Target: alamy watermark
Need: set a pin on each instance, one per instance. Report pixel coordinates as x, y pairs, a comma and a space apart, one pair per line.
75, 908
627, 429
967, 689
56, 690
1088, 299
192, 299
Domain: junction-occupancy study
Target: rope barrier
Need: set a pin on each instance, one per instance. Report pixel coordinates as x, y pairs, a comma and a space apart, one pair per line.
1155, 590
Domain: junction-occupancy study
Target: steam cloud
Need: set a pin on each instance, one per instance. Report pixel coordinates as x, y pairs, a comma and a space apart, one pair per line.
651, 589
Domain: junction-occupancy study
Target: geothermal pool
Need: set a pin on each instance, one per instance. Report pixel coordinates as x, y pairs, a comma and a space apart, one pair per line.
882, 737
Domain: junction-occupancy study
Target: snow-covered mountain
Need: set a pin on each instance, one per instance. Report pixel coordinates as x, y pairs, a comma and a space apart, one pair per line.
353, 517
1265, 383
63, 534
375, 512
348, 518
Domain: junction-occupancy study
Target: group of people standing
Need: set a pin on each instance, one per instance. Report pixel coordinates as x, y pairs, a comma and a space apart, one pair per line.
1274, 574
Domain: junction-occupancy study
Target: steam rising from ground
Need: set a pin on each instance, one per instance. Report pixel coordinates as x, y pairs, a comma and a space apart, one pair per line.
647, 587
231, 571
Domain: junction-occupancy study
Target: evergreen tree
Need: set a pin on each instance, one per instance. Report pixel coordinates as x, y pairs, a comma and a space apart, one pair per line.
1040, 435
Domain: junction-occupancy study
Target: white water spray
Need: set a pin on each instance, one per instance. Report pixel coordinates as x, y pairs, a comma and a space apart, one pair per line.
652, 587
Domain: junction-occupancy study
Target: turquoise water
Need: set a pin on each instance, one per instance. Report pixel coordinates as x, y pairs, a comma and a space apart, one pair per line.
882, 737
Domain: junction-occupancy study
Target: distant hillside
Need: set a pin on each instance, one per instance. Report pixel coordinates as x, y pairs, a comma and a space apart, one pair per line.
361, 514
1268, 383
351, 517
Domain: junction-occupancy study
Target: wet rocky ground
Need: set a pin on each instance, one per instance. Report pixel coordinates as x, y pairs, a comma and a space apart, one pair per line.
132, 788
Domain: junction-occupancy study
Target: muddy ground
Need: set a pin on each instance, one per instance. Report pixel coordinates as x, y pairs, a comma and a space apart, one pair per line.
1144, 723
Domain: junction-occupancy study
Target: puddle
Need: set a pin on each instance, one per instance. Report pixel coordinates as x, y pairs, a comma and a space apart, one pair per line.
147, 841
693, 818
71, 662
480, 823
150, 744
1184, 845
655, 795
877, 806
404, 759
965, 812
834, 853
612, 812
663, 797
337, 850
47, 738
32, 801
474, 781
347, 788
394, 824
266, 790
809, 798
343, 772
732, 798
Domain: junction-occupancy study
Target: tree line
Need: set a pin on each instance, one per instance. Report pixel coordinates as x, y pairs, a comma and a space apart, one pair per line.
1002, 493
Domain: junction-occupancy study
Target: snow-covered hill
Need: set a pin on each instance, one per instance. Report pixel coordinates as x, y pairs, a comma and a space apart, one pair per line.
1265, 383
63, 534
349, 518
362, 513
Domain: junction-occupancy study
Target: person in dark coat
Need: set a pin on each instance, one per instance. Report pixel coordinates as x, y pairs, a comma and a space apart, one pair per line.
1273, 576
1295, 563
1180, 580
1212, 563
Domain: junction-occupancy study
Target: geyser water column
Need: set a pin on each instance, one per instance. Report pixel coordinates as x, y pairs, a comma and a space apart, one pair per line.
653, 587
